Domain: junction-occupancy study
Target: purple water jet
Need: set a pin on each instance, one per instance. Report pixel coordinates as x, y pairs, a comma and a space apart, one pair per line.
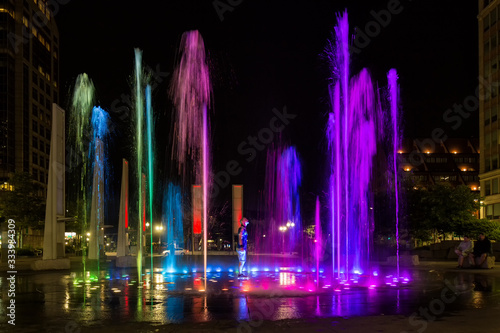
352, 139
392, 78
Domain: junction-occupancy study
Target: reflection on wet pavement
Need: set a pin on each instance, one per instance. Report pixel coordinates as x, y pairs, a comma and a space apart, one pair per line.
108, 297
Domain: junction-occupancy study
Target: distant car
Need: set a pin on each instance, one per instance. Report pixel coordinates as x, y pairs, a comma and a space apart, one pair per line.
211, 246
178, 252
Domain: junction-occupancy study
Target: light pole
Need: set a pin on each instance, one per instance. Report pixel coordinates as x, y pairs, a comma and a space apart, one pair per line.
159, 228
289, 225
283, 229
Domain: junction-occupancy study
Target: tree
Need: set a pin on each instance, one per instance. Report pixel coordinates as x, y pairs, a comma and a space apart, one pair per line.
24, 204
441, 209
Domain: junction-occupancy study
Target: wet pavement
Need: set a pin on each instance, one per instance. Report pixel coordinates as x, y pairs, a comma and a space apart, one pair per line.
112, 300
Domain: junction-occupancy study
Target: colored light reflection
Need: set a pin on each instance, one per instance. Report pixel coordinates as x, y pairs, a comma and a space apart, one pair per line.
287, 279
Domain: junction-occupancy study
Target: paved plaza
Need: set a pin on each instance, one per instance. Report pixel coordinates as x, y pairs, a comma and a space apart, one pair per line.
432, 297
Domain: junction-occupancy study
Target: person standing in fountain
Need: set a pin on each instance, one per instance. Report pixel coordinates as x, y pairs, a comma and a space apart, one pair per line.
463, 250
242, 244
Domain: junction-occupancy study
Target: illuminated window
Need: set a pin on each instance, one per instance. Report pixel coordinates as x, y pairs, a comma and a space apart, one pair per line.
6, 187
41, 5
489, 211
496, 211
47, 13
5, 10
34, 32
25, 21
47, 45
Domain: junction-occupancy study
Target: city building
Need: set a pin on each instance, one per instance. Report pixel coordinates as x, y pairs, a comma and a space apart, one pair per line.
425, 162
29, 85
489, 13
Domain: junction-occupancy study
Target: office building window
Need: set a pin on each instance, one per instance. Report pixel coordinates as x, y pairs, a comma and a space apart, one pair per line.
496, 211
494, 186
487, 187
34, 158
34, 126
34, 142
487, 69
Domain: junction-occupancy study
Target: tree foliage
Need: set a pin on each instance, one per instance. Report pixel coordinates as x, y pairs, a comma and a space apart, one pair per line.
24, 204
443, 209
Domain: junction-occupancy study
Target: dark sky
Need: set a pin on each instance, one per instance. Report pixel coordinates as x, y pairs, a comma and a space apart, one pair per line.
268, 54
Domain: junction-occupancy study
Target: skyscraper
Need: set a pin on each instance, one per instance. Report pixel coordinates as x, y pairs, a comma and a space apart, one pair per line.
29, 78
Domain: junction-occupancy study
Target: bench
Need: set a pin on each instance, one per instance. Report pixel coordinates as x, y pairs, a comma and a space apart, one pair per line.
488, 263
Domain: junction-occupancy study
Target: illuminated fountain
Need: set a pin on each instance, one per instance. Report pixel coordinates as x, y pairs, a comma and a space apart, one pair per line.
392, 77
172, 224
139, 111
99, 152
283, 227
344, 237
190, 92
354, 127
80, 129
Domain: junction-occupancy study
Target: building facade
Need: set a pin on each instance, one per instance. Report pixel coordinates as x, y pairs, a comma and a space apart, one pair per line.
489, 46
455, 161
29, 85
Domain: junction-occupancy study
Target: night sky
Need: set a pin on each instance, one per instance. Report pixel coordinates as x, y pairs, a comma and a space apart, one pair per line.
266, 55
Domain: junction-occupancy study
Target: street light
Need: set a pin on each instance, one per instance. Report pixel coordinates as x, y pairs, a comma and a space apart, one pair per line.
283, 229
159, 228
